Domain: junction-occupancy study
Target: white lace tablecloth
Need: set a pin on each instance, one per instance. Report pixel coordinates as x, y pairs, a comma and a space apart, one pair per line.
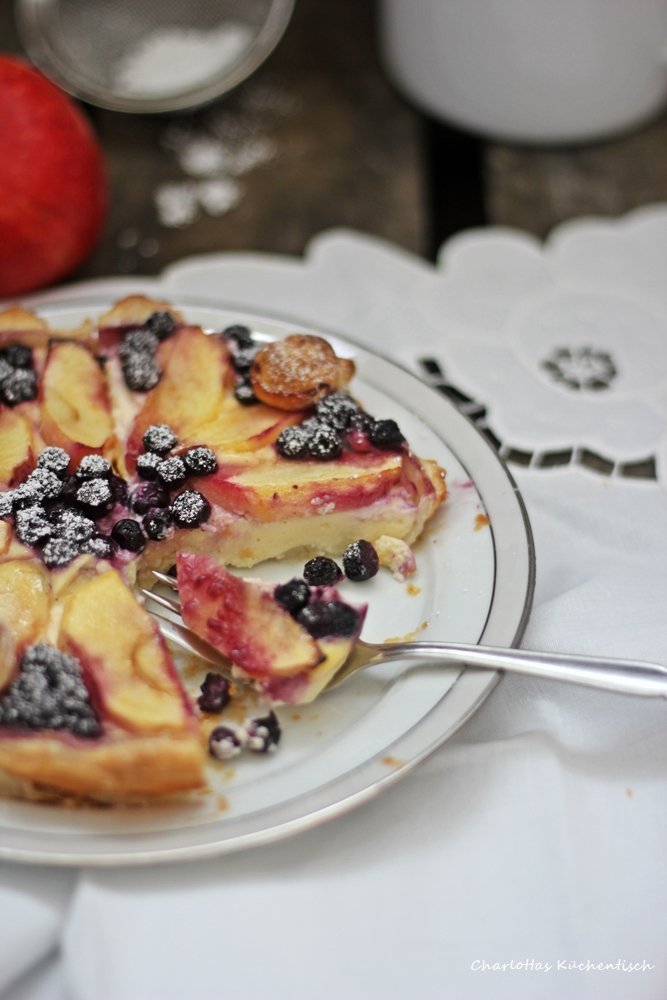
529, 856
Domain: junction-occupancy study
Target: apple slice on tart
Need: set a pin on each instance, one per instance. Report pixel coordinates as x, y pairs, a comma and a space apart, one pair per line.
93, 707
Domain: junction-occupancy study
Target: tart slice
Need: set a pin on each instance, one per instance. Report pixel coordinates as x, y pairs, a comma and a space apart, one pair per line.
288, 640
91, 706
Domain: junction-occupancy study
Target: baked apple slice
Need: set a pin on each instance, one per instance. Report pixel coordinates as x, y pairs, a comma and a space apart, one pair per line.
121, 648
75, 407
99, 713
194, 381
288, 640
25, 599
238, 428
268, 488
25, 605
16, 447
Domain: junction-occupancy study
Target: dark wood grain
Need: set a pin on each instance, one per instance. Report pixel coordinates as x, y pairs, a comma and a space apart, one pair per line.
535, 189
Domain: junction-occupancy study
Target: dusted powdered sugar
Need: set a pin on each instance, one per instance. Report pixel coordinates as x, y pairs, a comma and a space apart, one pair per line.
94, 493
55, 460
92, 467
49, 483
190, 509
75, 527
172, 471
33, 525
6, 504
159, 438
59, 552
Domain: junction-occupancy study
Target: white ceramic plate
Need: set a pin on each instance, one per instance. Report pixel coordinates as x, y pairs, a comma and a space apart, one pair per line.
474, 584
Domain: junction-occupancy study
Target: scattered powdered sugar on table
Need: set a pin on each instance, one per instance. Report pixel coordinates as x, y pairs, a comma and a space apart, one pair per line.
215, 151
172, 59
178, 203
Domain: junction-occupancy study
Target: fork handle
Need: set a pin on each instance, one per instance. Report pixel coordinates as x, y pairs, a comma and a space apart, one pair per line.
623, 676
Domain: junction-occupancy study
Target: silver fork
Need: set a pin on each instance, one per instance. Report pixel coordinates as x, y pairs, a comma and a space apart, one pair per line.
621, 676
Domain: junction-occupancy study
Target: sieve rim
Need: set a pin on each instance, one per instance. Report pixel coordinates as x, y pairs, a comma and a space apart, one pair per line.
33, 31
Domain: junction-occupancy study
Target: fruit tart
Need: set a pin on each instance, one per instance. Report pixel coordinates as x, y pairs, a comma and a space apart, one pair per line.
138, 442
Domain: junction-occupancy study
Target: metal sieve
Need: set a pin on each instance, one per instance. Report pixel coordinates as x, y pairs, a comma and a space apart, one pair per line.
150, 57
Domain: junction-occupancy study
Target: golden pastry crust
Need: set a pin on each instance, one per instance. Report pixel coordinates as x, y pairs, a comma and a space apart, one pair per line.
35, 331
136, 309
18, 318
295, 373
134, 768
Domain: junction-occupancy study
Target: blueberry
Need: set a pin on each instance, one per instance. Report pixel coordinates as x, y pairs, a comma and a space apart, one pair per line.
172, 471
95, 497
293, 595
6, 504
59, 552
147, 465
55, 460
360, 561
33, 526
327, 618
214, 693
385, 434
226, 742
72, 525
293, 443
17, 355
101, 546
49, 693
159, 438
157, 524
28, 493
93, 467
190, 509
324, 443
140, 371
138, 342
68, 492
243, 357
47, 482
119, 489
358, 430
239, 334
336, 410
162, 324
360, 422
244, 392
20, 386
200, 461
322, 572
263, 735
128, 535
147, 496
5, 369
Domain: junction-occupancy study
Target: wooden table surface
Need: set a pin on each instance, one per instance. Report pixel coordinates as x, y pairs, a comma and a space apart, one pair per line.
319, 138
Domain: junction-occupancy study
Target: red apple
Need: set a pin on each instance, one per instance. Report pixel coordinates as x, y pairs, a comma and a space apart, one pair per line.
52, 180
